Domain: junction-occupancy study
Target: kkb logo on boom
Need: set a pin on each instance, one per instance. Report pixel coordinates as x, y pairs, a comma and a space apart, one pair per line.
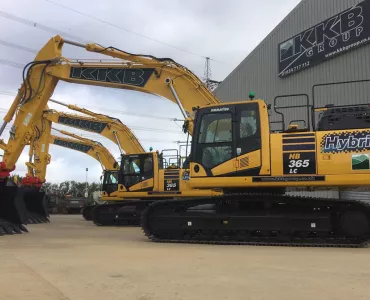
339, 29
349, 143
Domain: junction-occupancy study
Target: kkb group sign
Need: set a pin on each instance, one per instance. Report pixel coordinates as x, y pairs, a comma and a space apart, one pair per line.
343, 32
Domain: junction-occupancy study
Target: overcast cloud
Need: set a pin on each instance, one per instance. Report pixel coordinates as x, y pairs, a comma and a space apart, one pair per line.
223, 30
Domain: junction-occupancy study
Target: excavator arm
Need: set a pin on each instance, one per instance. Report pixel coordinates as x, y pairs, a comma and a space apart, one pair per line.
40, 158
92, 148
104, 125
37, 166
159, 76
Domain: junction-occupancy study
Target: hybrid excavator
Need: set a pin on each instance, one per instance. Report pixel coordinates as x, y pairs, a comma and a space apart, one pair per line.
233, 150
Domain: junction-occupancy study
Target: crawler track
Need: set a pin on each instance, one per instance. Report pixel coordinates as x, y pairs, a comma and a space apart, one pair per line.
87, 212
259, 219
125, 213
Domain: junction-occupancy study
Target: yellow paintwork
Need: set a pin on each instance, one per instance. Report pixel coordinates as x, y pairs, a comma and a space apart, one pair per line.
142, 185
224, 168
201, 173
253, 159
39, 150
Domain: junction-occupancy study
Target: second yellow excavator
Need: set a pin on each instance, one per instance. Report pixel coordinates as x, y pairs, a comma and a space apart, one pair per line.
143, 178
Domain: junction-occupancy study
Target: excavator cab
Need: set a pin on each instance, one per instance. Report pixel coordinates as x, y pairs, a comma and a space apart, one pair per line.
137, 171
110, 181
229, 139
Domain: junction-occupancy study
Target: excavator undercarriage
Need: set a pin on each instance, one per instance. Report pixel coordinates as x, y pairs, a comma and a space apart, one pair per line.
259, 219
125, 213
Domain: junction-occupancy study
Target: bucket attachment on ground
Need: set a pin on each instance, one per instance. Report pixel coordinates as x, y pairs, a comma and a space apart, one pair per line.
13, 212
36, 204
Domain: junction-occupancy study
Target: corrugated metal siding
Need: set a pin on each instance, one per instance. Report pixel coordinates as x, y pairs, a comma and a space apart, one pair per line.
346, 195
259, 71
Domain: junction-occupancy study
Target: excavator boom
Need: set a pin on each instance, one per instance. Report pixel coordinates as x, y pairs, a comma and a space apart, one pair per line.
92, 148
111, 128
144, 73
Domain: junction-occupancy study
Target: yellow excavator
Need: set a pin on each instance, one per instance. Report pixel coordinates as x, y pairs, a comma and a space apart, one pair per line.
159, 178
233, 150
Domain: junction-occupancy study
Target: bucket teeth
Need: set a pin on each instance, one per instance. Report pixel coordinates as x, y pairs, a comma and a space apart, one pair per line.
35, 203
37, 219
7, 228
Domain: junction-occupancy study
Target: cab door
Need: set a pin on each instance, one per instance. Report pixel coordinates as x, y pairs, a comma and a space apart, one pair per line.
213, 146
248, 139
137, 172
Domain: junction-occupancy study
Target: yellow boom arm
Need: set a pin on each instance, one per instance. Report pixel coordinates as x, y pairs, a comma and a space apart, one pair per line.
106, 126
37, 166
144, 73
92, 148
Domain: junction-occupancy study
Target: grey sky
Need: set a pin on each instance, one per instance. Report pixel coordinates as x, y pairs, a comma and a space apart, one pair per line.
223, 30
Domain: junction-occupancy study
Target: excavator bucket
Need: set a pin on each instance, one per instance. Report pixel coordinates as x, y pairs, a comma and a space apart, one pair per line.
35, 203
13, 212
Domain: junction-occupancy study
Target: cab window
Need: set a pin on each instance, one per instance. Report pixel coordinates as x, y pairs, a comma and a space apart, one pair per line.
248, 123
131, 166
148, 167
111, 178
216, 128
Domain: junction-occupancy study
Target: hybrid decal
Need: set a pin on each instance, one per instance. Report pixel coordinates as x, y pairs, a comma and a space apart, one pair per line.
97, 127
345, 31
299, 163
356, 141
74, 146
127, 76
